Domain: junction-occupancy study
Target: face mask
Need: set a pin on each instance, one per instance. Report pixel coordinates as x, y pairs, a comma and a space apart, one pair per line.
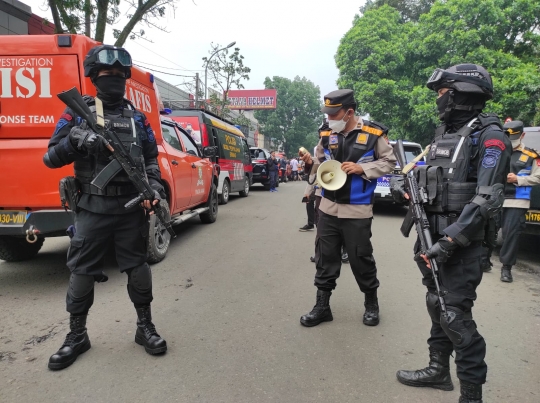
110, 89
442, 102
515, 143
337, 126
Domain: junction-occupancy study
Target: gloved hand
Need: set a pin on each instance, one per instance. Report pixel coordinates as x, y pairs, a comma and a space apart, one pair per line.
86, 140
441, 250
397, 189
147, 204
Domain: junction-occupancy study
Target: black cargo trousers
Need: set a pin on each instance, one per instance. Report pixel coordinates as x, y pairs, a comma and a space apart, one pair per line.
94, 234
513, 223
459, 277
355, 235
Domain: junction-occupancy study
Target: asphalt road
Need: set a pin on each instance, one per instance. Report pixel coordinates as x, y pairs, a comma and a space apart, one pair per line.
228, 299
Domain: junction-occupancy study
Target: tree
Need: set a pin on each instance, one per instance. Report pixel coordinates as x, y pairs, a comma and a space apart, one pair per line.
228, 71
85, 16
297, 116
387, 59
409, 10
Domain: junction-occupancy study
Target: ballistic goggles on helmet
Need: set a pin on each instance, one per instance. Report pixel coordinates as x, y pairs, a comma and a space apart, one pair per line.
473, 81
109, 56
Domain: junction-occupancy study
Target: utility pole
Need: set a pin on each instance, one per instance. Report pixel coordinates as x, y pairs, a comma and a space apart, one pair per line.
196, 90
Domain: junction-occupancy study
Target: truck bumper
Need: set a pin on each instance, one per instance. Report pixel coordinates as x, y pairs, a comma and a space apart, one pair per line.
45, 222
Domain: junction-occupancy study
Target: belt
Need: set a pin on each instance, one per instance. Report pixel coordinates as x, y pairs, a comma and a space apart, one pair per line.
123, 190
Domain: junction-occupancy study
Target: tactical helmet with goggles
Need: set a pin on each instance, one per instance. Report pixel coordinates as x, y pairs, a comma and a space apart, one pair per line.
465, 78
107, 56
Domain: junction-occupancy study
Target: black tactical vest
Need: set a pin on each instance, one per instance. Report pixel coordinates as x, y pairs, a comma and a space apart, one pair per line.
449, 175
520, 164
121, 121
358, 146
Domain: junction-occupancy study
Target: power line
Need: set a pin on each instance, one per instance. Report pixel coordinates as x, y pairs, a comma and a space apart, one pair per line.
162, 72
163, 67
163, 57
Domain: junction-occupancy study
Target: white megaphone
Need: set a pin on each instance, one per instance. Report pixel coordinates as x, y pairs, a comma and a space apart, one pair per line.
330, 176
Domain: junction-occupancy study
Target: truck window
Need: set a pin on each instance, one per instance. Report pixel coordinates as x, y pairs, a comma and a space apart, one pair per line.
247, 155
411, 152
191, 147
170, 137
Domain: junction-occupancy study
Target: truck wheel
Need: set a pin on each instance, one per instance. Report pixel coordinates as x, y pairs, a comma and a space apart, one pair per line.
245, 192
158, 237
211, 215
225, 193
17, 249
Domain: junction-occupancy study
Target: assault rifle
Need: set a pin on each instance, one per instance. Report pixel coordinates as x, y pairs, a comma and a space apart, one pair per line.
122, 159
417, 197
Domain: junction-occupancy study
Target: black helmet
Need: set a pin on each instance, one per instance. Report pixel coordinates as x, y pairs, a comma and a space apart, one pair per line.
106, 56
465, 78
324, 126
513, 129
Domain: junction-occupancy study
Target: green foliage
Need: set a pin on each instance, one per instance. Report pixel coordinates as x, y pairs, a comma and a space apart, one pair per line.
409, 10
297, 116
387, 57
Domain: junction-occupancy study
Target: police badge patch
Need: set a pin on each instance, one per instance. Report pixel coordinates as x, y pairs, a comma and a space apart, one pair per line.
333, 141
490, 158
362, 138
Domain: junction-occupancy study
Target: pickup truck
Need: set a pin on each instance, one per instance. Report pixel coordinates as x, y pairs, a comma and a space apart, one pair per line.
35, 69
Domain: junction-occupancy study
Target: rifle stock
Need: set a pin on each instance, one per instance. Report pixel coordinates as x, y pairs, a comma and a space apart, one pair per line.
416, 209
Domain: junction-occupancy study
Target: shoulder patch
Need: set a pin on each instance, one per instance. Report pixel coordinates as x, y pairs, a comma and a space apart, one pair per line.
372, 130
495, 143
491, 156
530, 152
61, 123
66, 116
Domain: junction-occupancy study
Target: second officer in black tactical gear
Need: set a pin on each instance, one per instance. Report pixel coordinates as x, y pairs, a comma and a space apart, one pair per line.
463, 177
101, 218
524, 173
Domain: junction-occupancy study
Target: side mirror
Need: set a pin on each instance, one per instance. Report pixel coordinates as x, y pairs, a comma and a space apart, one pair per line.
210, 151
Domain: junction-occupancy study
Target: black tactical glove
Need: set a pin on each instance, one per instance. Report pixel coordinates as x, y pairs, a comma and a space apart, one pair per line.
397, 189
441, 250
86, 140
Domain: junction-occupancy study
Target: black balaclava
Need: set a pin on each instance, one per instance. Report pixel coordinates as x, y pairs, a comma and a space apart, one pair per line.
111, 89
458, 118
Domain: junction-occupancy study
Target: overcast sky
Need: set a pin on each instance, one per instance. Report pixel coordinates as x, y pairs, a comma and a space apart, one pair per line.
277, 38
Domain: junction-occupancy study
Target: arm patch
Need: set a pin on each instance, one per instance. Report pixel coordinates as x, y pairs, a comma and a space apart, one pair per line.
491, 157
495, 143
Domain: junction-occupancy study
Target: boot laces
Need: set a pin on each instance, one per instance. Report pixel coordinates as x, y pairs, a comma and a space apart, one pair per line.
70, 339
149, 329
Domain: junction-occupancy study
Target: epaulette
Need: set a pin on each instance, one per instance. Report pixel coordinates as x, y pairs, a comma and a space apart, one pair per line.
374, 128
488, 119
326, 133
531, 152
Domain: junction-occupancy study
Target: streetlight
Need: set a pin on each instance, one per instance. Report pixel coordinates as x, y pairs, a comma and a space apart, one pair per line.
206, 68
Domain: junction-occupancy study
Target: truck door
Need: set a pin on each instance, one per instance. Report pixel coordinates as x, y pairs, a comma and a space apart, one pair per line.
201, 170
180, 167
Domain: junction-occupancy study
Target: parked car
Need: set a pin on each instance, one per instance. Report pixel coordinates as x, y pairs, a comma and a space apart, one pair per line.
30, 209
259, 160
382, 191
233, 156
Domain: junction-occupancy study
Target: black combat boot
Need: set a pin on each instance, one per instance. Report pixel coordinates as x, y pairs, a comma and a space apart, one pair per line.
146, 332
76, 343
470, 392
506, 274
321, 311
371, 316
435, 375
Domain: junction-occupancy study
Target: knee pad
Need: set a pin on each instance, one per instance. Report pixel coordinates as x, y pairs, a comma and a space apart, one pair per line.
80, 285
458, 326
432, 303
140, 278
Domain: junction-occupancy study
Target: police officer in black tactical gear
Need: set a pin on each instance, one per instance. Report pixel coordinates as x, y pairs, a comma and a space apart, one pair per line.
101, 218
346, 213
464, 175
524, 173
